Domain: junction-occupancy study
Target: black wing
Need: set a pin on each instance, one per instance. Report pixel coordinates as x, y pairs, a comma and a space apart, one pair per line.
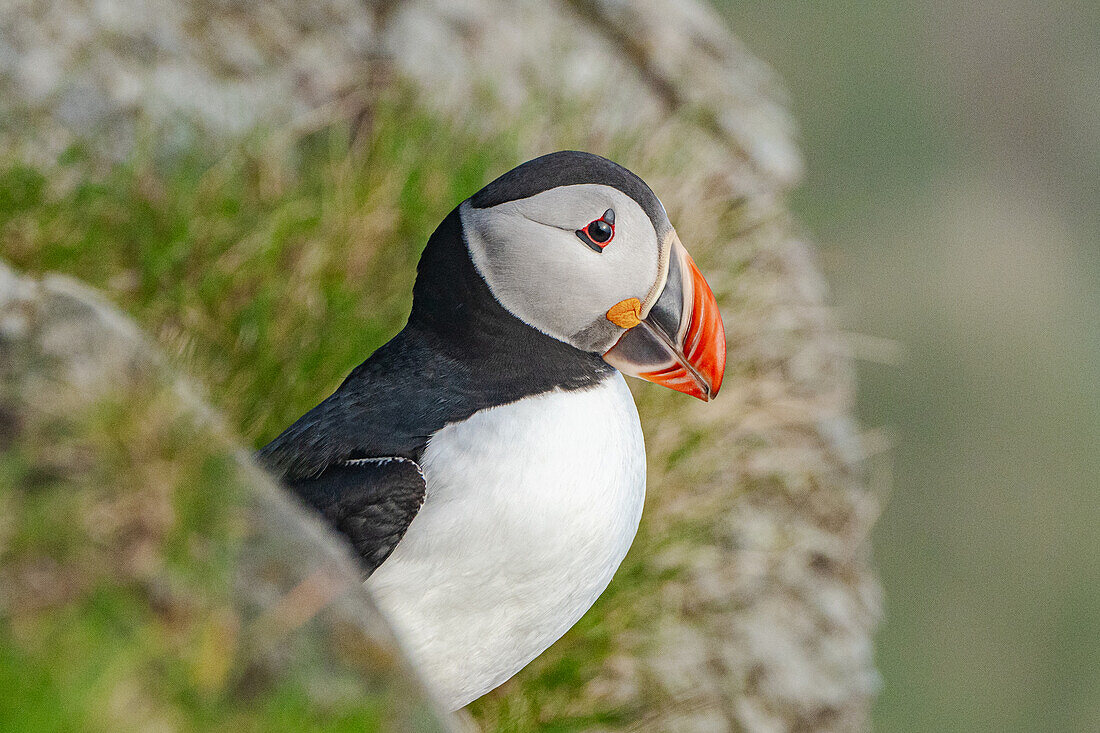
371, 501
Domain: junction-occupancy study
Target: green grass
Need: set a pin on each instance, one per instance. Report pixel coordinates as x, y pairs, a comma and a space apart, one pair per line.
268, 278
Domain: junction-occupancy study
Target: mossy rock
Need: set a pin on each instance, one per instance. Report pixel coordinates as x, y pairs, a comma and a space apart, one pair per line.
152, 577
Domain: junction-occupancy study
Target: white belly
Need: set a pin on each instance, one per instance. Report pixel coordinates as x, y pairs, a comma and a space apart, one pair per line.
530, 508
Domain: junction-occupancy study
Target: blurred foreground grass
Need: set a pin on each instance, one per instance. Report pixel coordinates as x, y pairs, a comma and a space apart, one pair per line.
123, 525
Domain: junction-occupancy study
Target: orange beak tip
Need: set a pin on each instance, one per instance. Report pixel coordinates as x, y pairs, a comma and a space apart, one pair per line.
684, 347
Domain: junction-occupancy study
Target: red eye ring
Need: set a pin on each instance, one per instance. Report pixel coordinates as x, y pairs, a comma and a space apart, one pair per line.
599, 232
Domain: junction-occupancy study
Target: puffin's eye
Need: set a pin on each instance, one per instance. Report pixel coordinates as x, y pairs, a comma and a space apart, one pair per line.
599, 232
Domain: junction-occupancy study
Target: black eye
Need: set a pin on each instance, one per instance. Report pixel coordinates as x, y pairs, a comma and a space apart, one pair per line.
599, 232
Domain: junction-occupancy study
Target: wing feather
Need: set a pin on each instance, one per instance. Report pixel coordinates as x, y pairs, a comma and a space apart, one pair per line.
371, 501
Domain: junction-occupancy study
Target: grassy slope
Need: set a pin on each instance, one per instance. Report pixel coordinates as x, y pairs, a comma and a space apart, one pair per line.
268, 281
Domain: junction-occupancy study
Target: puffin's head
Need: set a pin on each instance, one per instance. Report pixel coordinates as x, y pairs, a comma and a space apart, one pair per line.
581, 249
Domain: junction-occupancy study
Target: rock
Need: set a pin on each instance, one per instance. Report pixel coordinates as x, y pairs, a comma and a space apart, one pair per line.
75, 70
616, 69
111, 71
196, 591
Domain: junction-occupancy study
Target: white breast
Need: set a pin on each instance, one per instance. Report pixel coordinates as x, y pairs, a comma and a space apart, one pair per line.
530, 508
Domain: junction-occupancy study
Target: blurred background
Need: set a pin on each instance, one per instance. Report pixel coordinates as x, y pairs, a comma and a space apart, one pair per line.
953, 183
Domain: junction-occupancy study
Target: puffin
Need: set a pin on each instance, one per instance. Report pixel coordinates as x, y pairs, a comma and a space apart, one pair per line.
487, 464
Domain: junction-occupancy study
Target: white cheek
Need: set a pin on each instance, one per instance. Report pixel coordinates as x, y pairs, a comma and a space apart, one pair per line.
547, 276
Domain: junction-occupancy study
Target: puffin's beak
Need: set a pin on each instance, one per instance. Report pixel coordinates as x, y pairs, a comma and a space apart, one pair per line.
681, 342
